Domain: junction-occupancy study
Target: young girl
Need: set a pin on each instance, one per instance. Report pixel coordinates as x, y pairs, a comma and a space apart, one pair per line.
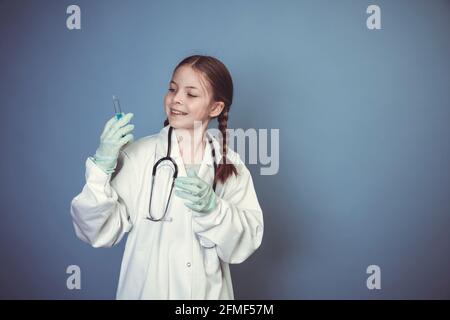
186, 200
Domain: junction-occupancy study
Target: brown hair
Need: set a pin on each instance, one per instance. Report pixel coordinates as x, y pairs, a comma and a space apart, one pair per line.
219, 78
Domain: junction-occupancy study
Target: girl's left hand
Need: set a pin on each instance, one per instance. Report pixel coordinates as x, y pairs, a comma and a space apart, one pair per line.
194, 189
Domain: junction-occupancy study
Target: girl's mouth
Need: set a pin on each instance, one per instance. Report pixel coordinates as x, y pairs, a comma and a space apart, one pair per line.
177, 113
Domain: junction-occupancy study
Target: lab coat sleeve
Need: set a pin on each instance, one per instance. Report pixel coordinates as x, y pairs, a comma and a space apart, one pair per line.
236, 225
103, 212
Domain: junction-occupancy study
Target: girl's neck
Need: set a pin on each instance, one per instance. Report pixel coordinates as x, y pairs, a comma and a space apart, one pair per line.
191, 143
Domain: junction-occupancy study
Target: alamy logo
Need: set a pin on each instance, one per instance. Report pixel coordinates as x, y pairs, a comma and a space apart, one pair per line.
74, 280
374, 20
258, 144
74, 20
374, 280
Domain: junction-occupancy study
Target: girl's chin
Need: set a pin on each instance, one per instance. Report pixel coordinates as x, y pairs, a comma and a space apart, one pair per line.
178, 120
178, 123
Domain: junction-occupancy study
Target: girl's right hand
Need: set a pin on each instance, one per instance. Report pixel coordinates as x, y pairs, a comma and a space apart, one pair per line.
116, 133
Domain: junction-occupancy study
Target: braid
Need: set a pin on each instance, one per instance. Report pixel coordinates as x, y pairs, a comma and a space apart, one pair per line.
223, 122
225, 170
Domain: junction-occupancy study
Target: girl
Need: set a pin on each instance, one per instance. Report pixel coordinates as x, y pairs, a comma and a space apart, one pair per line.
189, 215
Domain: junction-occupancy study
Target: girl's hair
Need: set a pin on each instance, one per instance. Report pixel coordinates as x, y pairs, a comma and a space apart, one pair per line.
219, 78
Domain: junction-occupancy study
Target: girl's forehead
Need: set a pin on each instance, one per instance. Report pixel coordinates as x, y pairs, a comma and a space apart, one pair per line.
188, 77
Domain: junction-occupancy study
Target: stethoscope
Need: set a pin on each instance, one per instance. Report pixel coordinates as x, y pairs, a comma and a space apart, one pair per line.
174, 176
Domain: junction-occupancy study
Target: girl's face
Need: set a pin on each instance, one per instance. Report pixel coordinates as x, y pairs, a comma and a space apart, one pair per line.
189, 99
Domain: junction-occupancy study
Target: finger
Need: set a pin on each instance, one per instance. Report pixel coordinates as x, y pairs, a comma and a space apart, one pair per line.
193, 187
108, 127
123, 131
189, 180
194, 207
197, 184
120, 123
198, 190
188, 190
182, 182
185, 195
126, 139
192, 178
204, 194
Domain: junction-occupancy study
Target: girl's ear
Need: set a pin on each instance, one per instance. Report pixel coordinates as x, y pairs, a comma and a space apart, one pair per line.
216, 109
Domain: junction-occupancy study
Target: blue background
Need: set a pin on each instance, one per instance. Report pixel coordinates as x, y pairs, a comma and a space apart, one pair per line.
363, 116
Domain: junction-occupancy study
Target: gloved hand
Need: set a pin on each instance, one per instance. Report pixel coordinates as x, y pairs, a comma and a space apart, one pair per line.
115, 135
200, 193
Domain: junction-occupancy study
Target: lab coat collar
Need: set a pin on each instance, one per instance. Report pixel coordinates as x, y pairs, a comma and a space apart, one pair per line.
207, 161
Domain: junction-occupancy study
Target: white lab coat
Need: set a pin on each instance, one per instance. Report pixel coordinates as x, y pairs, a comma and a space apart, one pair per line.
187, 258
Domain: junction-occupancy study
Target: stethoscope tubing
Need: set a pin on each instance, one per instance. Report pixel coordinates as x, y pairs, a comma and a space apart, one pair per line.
175, 174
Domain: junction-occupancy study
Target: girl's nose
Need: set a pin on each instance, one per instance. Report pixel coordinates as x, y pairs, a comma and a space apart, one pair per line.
177, 98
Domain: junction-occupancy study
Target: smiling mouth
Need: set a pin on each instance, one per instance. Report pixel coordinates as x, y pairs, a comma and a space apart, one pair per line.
177, 113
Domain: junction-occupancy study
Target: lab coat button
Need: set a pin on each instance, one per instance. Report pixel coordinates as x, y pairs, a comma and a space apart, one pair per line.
188, 264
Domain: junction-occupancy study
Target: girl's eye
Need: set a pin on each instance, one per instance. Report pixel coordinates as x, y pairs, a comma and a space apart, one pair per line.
172, 90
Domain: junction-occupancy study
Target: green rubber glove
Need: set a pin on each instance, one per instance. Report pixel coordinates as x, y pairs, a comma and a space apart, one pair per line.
116, 134
194, 189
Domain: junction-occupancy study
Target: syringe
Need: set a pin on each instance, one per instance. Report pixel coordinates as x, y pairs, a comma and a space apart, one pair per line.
117, 108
